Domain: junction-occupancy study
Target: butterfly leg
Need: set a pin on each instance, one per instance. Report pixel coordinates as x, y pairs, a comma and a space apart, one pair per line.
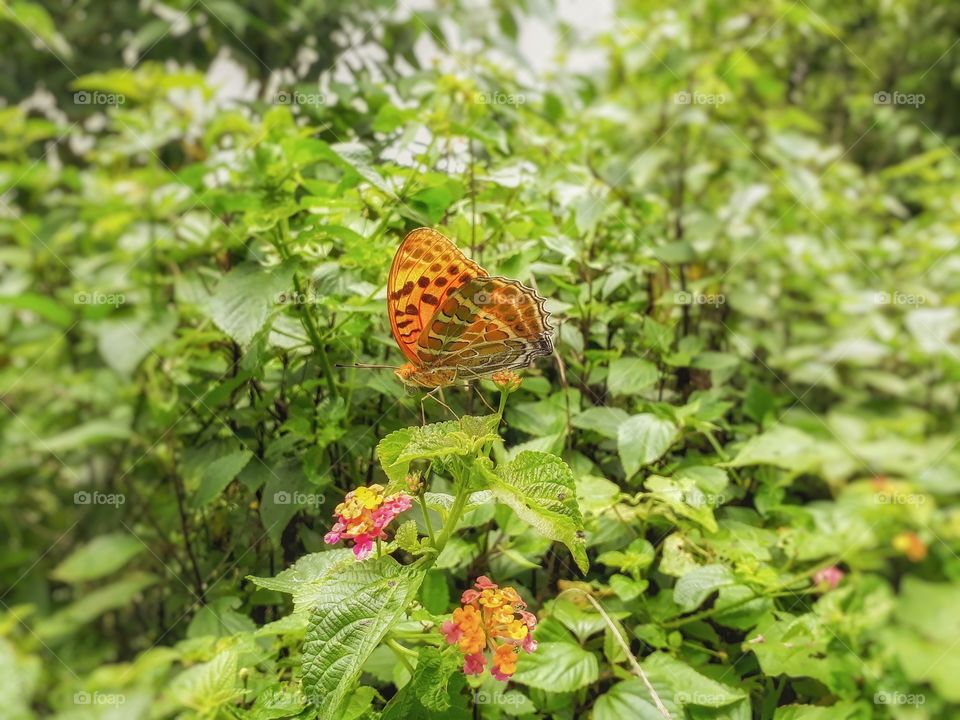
434, 394
489, 406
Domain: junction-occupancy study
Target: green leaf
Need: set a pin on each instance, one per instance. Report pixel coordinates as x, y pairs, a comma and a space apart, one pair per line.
444, 501
438, 440
101, 556
435, 592
642, 439
636, 558
557, 667
632, 699
686, 685
245, 297
928, 626
407, 537
541, 491
685, 498
94, 432
306, 577
352, 612
837, 711
431, 677
605, 421
218, 474
358, 158
696, 586
629, 376
92, 605
801, 646
209, 686
19, 676
37, 23
42, 305
123, 344
782, 446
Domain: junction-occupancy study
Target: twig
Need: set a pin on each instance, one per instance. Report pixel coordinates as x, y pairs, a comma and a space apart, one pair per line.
618, 636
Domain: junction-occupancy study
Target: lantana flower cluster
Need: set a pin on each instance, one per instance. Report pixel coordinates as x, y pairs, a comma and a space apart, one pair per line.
491, 618
363, 515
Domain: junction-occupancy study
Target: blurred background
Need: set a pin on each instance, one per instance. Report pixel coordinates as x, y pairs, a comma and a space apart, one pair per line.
744, 215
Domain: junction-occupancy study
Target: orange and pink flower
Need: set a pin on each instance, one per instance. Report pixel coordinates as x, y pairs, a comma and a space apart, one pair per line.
363, 516
491, 618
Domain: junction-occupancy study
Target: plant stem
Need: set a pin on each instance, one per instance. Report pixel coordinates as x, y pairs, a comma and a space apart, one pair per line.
401, 652
459, 503
417, 636
306, 319
503, 403
426, 518
775, 592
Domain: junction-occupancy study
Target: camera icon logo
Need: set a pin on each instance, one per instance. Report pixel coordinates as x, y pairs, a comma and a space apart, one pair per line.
882, 98
81, 497
682, 98
82, 698
282, 497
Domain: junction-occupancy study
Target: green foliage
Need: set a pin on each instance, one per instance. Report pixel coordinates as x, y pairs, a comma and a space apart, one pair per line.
730, 495
353, 609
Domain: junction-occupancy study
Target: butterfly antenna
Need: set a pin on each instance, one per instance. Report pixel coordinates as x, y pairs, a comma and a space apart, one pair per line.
367, 366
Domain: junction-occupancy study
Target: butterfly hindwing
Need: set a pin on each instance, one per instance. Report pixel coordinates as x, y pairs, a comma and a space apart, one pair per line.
485, 325
425, 271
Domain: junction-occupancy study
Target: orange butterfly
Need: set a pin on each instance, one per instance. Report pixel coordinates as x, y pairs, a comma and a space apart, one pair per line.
454, 321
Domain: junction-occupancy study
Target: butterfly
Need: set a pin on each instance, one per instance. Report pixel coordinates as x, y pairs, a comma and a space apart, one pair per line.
453, 321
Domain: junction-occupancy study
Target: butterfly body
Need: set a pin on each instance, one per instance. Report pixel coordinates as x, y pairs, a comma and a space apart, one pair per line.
453, 321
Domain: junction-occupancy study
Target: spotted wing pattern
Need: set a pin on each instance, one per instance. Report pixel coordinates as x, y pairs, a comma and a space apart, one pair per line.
485, 325
426, 270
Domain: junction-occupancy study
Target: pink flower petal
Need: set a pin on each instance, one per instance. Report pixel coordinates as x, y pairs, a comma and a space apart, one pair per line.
362, 548
451, 631
473, 664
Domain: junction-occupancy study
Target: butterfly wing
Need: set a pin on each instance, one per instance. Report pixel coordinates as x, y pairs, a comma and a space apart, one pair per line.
487, 324
426, 270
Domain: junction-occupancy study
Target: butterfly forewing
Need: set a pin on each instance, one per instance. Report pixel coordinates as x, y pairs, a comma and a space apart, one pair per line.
426, 270
487, 324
